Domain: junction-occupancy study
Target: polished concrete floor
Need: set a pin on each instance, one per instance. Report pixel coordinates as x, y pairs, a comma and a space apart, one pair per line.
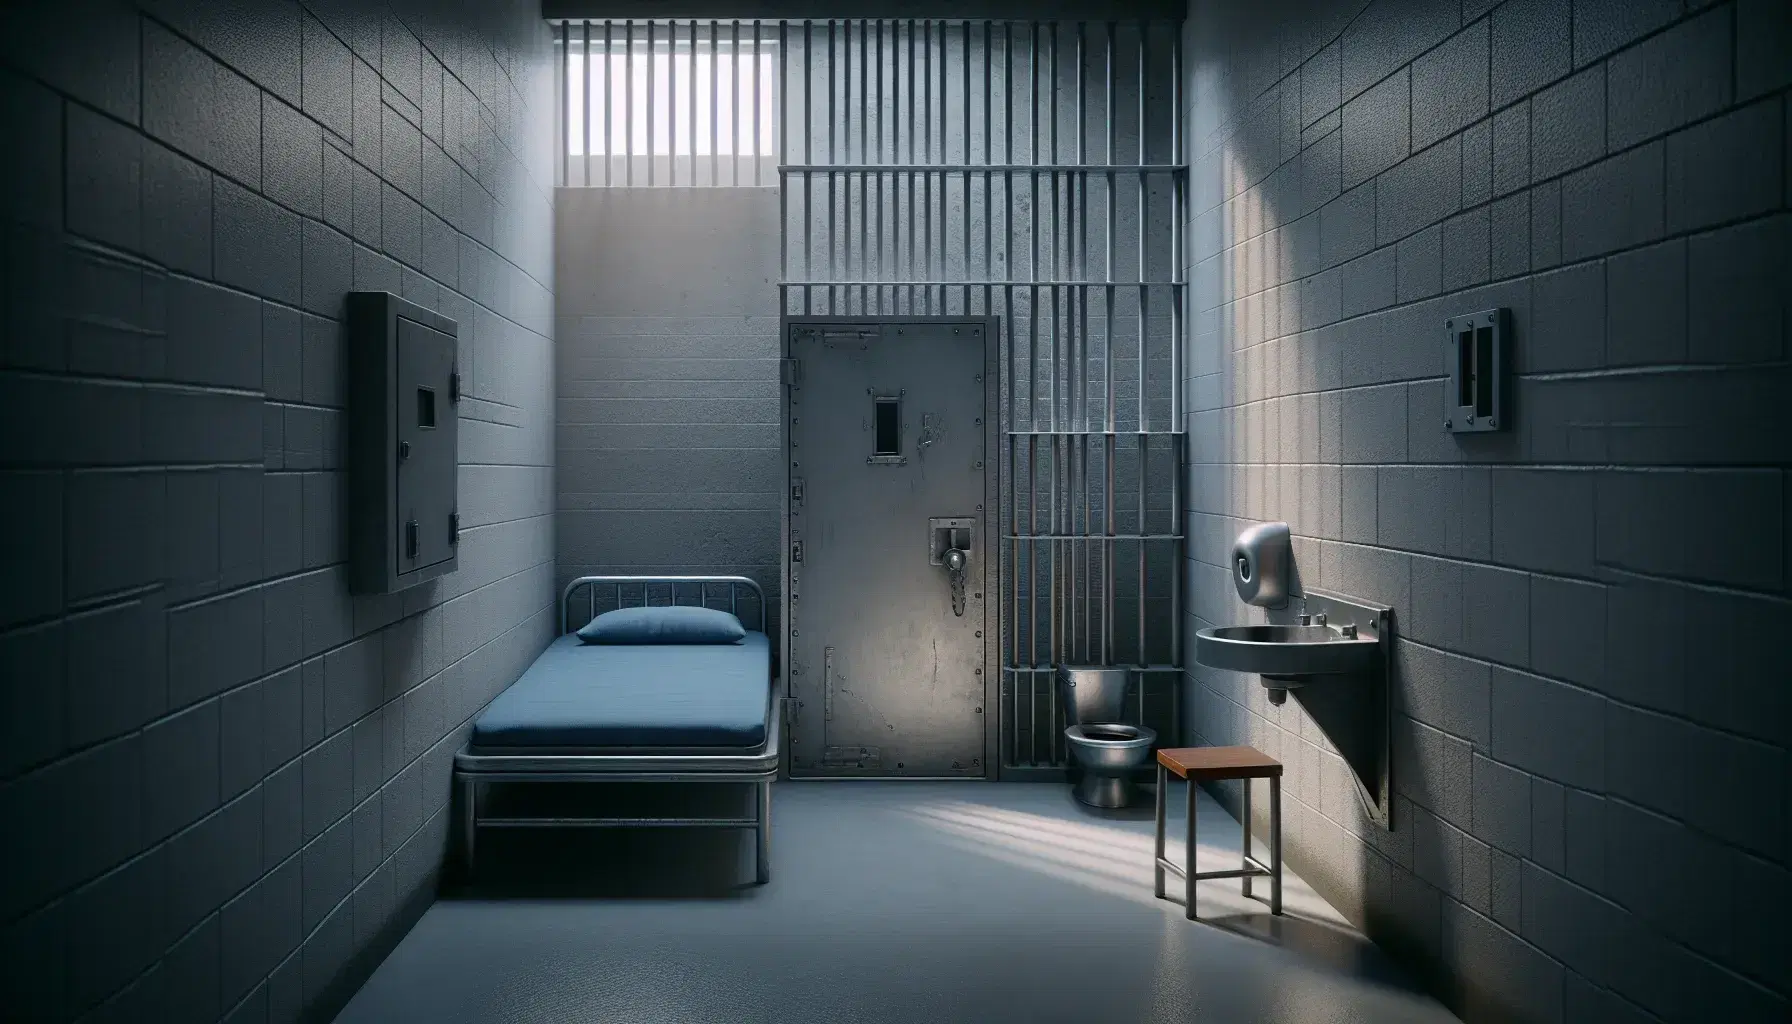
889, 902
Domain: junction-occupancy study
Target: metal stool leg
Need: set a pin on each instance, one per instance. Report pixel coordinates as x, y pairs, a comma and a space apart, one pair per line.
1188, 878
1246, 819
1157, 861
1275, 844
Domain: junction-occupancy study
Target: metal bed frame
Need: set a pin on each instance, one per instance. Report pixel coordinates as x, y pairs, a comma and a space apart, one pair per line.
757, 768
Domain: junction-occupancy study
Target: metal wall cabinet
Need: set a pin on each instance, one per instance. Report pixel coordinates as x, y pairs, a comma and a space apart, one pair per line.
403, 444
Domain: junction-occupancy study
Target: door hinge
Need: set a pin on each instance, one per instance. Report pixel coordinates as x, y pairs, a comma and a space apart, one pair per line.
454, 386
410, 539
796, 551
792, 371
796, 492
454, 527
791, 707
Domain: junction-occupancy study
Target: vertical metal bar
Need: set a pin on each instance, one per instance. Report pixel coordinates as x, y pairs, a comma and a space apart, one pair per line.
628, 113
715, 122
734, 103
1082, 273
762, 846
585, 38
1033, 594
470, 823
562, 101
877, 180
1033, 584
1144, 463
650, 111
1049, 63
989, 205
944, 157
783, 82
965, 133
1144, 319
1013, 364
778, 91
691, 101
1244, 821
1188, 875
808, 155
927, 158
1178, 180
845, 119
1178, 325
1144, 288
609, 102
864, 158
1109, 549
1275, 844
833, 158
909, 176
1157, 846
1033, 231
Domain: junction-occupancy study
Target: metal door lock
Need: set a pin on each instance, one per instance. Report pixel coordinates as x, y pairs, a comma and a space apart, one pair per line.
955, 562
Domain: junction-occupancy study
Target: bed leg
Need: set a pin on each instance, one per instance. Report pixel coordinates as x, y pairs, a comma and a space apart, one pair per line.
469, 819
762, 854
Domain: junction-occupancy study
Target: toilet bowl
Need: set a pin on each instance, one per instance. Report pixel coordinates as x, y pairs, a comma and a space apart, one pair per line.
1107, 751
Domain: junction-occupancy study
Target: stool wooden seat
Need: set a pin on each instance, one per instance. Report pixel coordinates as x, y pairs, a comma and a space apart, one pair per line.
1205, 764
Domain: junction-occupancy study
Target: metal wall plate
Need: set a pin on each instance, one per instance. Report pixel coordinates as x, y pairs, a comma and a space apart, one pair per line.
1475, 358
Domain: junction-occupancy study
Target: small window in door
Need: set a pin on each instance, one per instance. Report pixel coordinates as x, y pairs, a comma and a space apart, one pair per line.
886, 425
426, 407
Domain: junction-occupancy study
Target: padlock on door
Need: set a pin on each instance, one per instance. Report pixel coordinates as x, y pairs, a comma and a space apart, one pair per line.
949, 545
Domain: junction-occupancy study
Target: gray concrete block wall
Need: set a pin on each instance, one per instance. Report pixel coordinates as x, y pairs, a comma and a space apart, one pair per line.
225, 779
1590, 804
667, 393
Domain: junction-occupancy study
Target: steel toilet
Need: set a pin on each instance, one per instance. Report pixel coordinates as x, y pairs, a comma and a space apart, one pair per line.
1108, 751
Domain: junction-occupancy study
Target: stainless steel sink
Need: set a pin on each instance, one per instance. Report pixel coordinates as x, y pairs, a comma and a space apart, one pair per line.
1333, 653
1284, 651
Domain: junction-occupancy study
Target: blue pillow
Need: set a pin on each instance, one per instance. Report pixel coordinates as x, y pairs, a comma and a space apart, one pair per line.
671, 624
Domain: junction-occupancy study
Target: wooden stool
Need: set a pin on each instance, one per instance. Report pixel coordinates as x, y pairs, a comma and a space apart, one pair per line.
1213, 763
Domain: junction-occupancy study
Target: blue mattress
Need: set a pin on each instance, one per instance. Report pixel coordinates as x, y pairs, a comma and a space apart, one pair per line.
579, 697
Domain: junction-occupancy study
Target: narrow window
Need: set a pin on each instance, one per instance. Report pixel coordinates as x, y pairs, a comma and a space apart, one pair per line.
426, 407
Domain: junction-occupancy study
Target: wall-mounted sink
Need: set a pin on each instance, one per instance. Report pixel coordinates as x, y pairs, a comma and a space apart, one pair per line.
1282, 651
1333, 653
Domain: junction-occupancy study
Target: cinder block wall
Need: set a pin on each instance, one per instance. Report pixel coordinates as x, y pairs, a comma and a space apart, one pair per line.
224, 780
667, 431
1591, 716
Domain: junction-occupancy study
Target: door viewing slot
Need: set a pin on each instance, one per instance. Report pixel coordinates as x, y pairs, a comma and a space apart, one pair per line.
886, 418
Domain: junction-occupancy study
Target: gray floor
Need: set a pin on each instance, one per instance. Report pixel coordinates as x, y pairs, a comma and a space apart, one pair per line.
911, 902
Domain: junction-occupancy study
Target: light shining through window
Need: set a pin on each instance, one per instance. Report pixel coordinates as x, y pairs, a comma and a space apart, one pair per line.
679, 118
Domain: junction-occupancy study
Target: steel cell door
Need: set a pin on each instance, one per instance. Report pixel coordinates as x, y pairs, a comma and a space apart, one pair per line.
889, 556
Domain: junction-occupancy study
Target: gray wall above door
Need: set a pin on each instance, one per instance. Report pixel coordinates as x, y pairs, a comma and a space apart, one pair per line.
668, 437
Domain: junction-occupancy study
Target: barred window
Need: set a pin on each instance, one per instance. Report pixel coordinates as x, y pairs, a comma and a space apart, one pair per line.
667, 103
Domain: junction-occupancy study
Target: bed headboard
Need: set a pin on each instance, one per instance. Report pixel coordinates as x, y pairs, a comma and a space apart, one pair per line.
625, 588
